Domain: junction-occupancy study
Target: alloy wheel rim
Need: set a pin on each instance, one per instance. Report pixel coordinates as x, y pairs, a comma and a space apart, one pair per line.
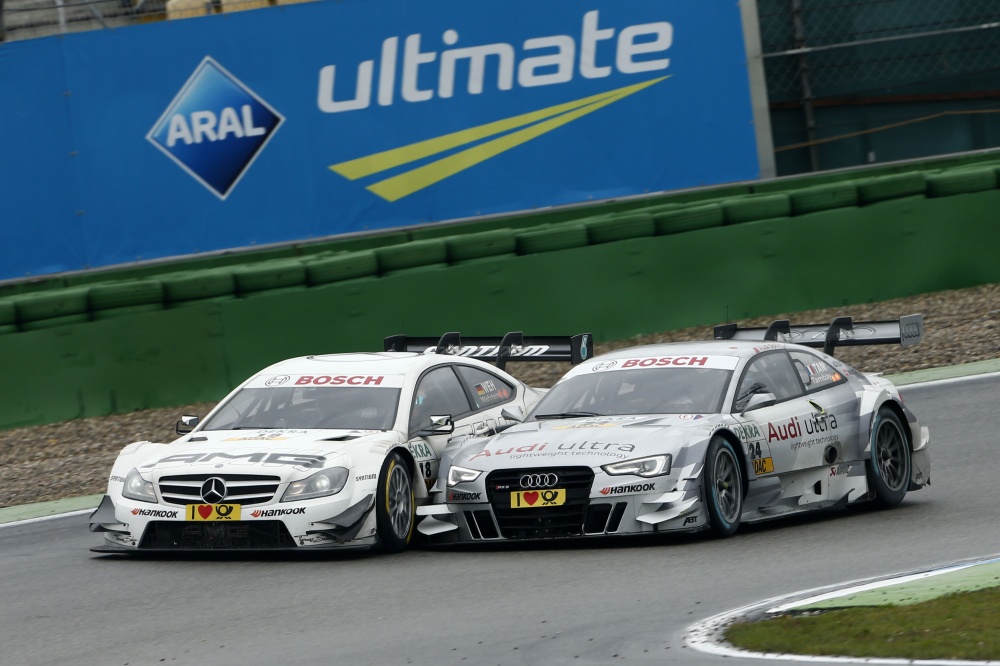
400, 508
889, 456
727, 485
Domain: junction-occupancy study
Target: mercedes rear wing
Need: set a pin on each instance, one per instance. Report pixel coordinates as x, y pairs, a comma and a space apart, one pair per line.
841, 332
511, 347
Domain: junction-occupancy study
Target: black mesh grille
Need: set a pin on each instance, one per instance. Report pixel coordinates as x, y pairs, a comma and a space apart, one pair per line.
244, 489
538, 523
209, 535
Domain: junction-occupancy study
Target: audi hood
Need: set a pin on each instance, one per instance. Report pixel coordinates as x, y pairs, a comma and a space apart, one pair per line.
590, 441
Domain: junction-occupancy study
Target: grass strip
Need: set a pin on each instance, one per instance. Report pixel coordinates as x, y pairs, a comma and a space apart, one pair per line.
964, 625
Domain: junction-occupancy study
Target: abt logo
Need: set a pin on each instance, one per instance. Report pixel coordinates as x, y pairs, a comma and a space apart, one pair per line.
215, 128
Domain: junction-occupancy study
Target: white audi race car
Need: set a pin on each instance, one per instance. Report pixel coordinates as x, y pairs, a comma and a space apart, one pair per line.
691, 436
329, 451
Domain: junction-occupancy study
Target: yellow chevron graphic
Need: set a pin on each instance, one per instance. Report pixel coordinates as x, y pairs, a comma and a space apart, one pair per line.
535, 124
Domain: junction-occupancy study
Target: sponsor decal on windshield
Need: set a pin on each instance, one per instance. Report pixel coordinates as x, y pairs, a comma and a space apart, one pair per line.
343, 380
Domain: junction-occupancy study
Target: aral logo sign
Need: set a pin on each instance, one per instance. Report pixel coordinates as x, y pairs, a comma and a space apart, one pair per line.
215, 128
596, 52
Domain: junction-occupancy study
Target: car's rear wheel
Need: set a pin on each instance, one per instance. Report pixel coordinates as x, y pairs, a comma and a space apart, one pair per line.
889, 466
394, 507
723, 487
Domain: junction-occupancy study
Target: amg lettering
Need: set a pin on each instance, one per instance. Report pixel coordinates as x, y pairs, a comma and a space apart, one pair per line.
294, 459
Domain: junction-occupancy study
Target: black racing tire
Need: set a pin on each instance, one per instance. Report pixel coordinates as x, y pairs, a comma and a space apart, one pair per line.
890, 465
723, 487
395, 506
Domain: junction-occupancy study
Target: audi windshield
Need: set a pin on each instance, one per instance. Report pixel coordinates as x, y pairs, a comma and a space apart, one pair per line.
640, 391
305, 407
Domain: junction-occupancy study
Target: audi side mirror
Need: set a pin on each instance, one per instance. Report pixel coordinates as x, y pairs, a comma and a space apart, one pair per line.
186, 424
758, 400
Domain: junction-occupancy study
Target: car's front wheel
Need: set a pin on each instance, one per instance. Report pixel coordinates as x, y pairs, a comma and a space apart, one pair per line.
723, 487
394, 507
889, 467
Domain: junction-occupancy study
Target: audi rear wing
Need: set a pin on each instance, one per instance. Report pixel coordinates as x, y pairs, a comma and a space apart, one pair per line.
511, 347
841, 332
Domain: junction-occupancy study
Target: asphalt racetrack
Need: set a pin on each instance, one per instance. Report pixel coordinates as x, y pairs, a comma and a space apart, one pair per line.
613, 601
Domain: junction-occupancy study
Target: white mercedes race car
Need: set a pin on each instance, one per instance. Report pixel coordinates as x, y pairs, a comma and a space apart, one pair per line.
691, 436
321, 451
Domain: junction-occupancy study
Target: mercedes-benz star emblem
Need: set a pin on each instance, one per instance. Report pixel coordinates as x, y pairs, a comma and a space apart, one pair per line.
213, 490
539, 480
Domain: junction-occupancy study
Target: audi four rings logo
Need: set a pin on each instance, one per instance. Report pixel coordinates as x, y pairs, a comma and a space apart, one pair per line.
213, 490
539, 480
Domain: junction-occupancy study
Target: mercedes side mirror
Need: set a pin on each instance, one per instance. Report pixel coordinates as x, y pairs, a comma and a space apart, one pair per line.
512, 414
439, 425
186, 424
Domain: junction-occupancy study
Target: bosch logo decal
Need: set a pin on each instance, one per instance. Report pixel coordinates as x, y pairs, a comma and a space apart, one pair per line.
277, 381
539, 480
355, 380
604, 365
635, 488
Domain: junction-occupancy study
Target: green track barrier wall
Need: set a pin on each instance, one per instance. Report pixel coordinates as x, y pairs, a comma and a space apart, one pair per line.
187, 335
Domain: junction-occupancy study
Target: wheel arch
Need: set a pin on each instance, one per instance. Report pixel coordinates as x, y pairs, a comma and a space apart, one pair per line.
737, 443
417, 479
897, 409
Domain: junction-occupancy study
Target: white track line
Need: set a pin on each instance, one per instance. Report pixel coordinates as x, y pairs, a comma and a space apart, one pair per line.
709, 635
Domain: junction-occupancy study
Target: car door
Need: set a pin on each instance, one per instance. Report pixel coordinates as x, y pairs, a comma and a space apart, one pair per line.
835, 419
473, 398
781, 426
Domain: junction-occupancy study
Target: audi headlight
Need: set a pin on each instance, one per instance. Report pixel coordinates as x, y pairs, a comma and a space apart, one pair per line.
457, 475
325, 482
645, 467
138, 488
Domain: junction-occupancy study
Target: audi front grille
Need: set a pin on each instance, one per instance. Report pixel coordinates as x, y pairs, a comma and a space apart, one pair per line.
211, 535
542, 522
244, 489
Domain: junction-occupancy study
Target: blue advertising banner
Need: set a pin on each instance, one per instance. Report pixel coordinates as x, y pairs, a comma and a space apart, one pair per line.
310, 120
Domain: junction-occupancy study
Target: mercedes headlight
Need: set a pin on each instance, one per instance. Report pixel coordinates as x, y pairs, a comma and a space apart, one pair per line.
645, 467
325, 482
457, 475
138, 488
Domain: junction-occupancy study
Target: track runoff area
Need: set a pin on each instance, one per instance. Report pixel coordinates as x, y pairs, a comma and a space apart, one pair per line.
707, 635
